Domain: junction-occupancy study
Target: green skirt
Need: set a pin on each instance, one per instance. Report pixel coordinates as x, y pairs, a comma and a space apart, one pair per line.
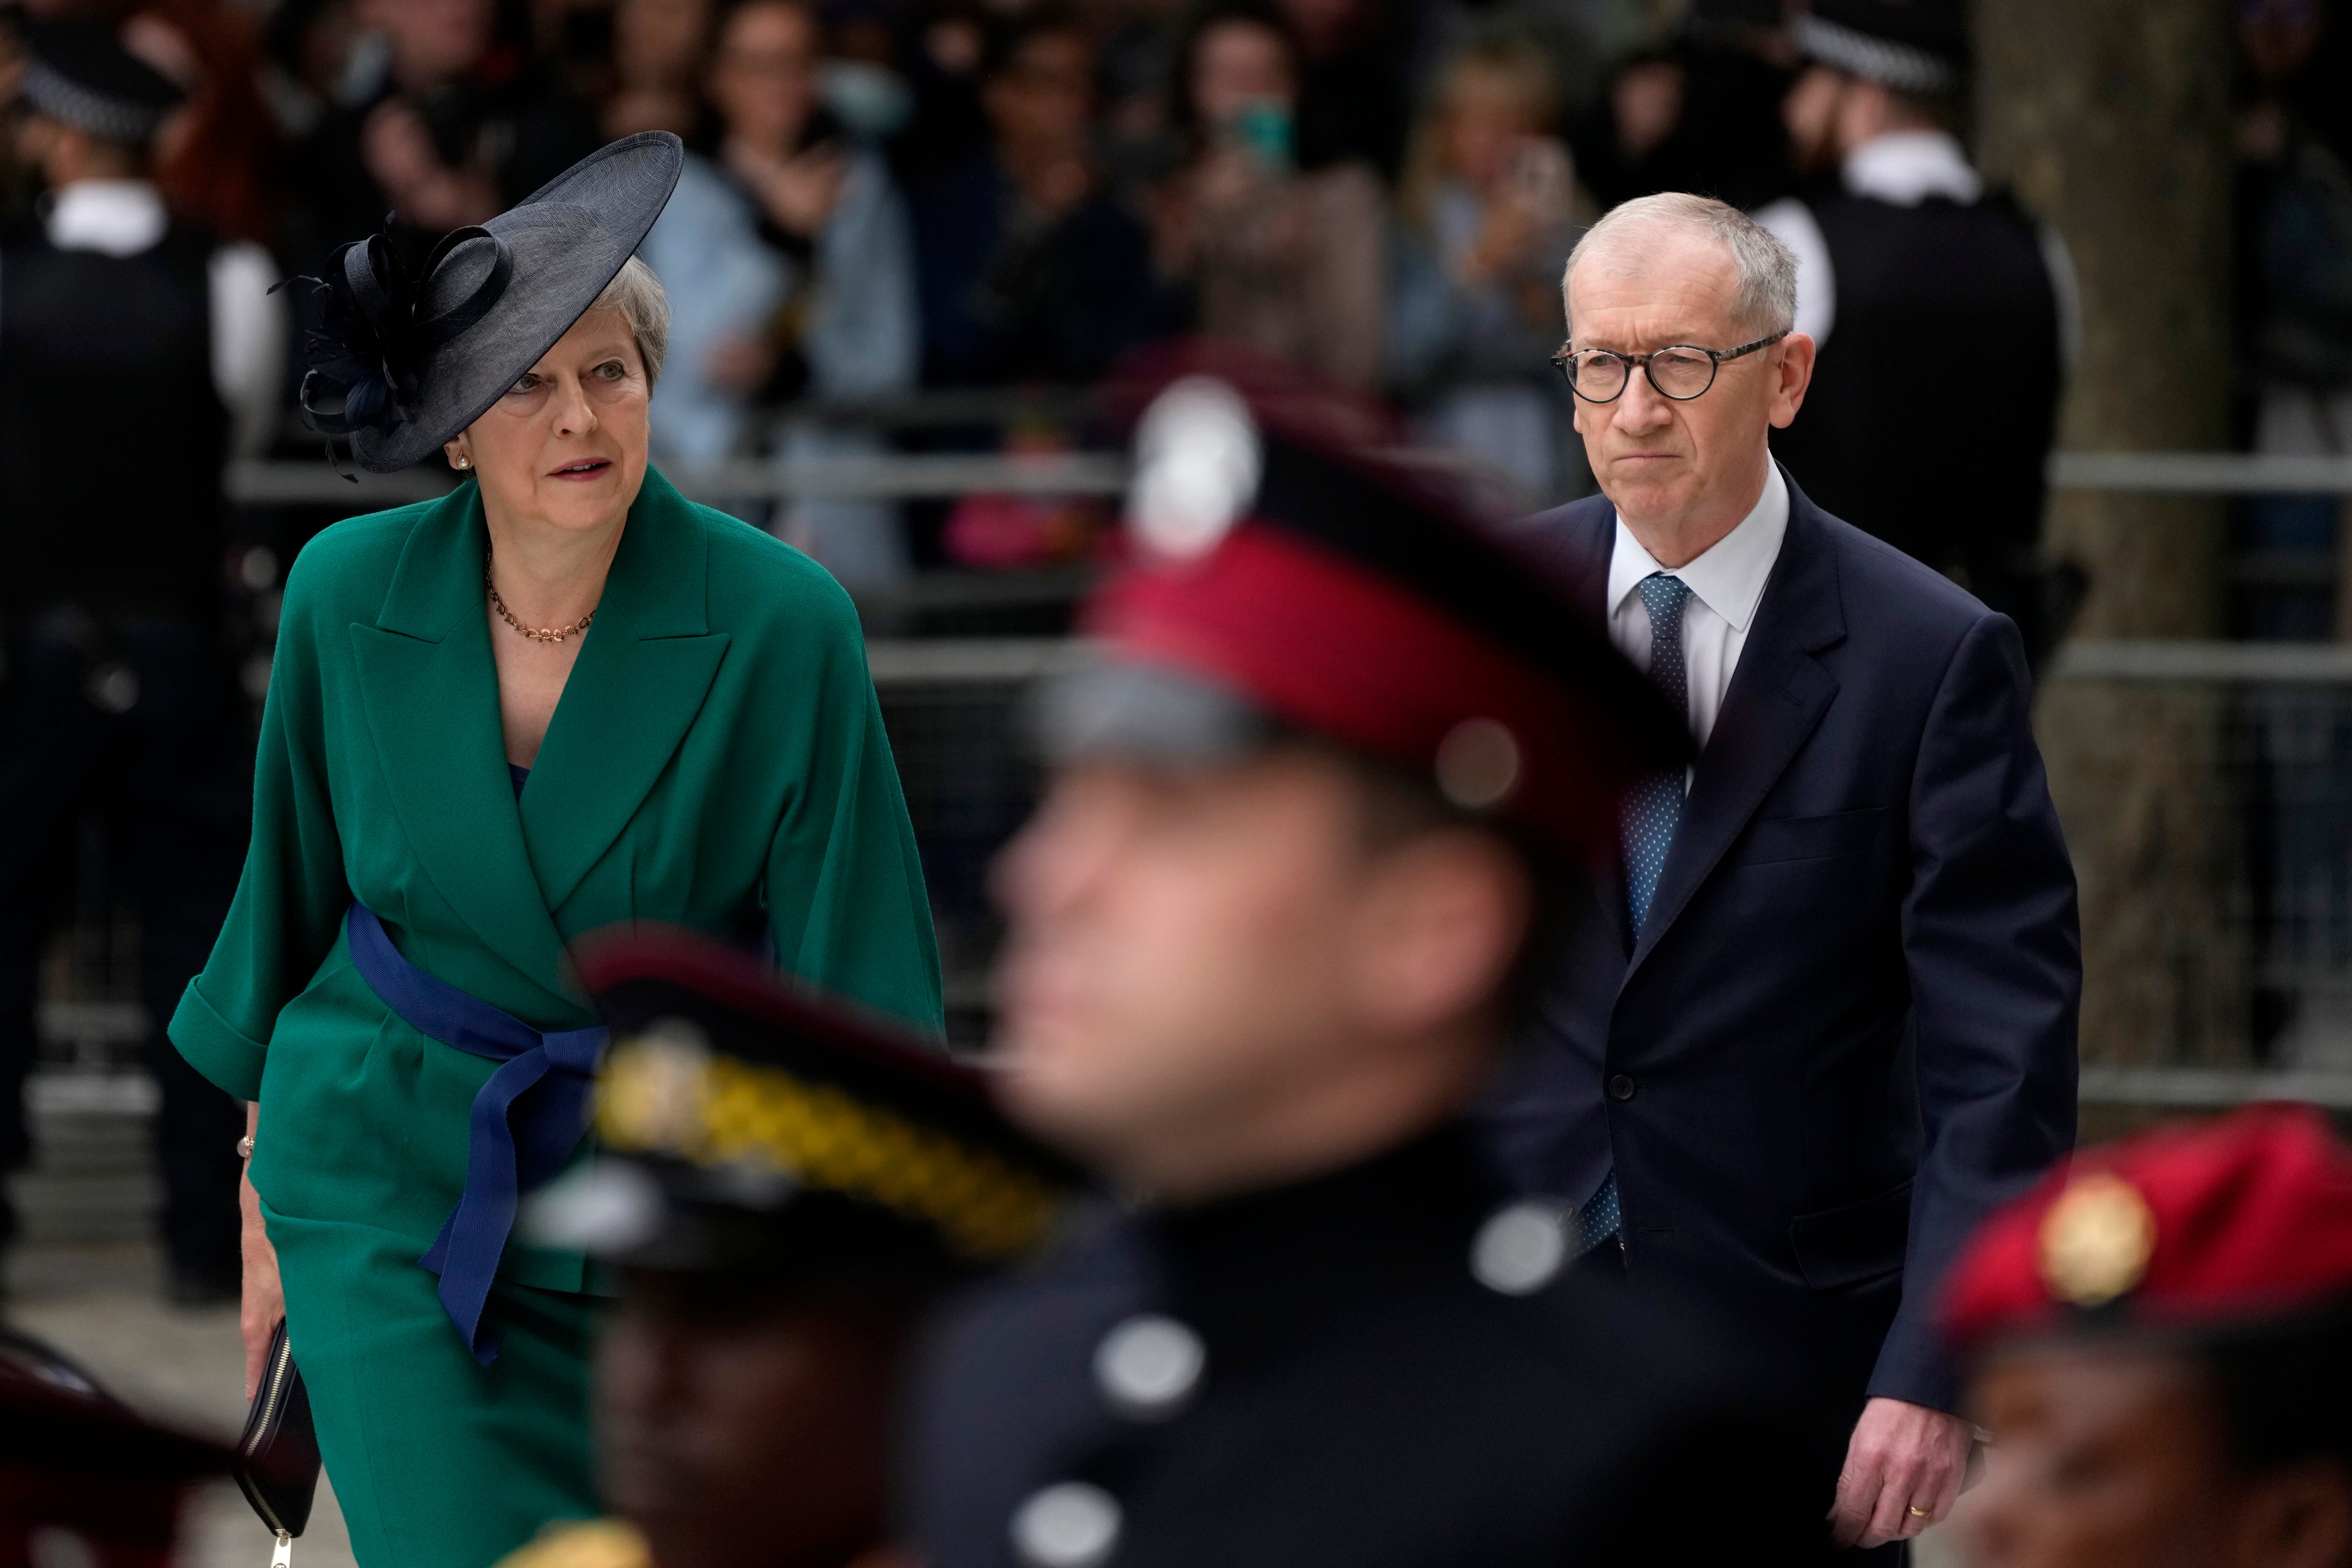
437, 1462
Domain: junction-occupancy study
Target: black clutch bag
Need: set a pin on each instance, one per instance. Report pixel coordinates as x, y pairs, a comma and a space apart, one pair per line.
277, 1456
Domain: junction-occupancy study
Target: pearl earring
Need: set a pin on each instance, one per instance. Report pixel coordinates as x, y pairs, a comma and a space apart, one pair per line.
465, 462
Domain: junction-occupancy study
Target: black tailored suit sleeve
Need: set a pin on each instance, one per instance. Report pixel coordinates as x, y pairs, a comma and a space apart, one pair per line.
1994, 952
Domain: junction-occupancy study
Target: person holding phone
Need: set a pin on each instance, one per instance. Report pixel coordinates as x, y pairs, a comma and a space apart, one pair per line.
790, 269
1288, 260
1483, 229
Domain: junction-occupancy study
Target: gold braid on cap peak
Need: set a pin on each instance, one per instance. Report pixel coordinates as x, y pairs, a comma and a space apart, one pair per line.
660, 1095
583, 1543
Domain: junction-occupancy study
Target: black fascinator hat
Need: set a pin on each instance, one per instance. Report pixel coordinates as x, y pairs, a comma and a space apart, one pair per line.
401, 363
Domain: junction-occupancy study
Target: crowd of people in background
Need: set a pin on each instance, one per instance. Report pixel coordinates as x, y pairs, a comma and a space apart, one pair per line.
889, 197
892, 196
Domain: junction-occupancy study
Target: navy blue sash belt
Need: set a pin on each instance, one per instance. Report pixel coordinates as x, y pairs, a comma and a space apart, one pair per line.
525, 1123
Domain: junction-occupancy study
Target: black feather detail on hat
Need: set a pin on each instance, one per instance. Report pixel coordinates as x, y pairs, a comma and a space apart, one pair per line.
366, 353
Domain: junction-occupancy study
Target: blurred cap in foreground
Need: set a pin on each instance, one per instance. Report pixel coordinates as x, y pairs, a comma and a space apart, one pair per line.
1280, 577
2185, 1230
750, 1126
75, 1460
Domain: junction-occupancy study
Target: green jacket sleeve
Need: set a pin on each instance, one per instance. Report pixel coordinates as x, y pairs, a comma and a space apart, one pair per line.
291, 898
846, 905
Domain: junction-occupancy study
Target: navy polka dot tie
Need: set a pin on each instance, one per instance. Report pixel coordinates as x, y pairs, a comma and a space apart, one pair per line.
1653, 809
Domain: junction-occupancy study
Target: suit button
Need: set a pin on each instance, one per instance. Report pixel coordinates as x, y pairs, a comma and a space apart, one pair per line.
1073, 1525
1519, 1249
1621, 1088
1147, 1366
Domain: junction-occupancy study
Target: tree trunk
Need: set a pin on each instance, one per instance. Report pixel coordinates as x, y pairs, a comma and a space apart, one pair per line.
2108, 118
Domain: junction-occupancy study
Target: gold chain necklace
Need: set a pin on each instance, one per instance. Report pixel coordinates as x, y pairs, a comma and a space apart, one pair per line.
536, 633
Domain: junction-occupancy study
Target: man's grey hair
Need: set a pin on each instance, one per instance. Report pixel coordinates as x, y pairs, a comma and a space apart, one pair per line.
638, 295
1765, 297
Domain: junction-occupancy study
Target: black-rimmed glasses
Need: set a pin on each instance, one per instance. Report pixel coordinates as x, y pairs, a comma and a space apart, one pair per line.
1679, 371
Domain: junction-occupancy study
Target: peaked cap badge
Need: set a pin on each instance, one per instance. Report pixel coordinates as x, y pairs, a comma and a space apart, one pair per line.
1198, 461
2097, 1240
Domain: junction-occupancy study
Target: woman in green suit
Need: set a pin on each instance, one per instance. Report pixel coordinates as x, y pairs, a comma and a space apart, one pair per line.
561, 699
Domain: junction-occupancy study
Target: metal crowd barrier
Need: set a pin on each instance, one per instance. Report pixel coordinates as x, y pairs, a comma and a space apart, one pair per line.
2166, 660
932, 662
2201, 473
2205, 1089
914, 475
906, 476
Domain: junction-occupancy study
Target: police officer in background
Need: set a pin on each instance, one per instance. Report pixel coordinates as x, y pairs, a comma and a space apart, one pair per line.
1943, 311
120, 331
1266, 936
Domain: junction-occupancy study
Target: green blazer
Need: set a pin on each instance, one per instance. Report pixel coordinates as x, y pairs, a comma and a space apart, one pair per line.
717, 762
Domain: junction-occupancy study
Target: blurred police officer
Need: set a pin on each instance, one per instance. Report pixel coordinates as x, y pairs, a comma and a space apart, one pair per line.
1264, 933
786, 1189
2163, 1346
1939, 306
115, 694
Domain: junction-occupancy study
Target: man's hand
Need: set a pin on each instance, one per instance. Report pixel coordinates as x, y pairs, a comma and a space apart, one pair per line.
1903, 1457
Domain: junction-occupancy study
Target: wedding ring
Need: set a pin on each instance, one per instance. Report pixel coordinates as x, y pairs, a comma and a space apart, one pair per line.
1917, 1512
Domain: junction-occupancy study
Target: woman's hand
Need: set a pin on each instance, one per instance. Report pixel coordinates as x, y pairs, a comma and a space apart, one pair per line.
263, 1306
1524, 217
798, 192
739, 363
397, 148
1229, 179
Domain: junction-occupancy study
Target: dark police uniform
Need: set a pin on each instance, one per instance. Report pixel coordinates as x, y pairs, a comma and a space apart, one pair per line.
1945, 362
1934, 402
1389, 1363
116, 694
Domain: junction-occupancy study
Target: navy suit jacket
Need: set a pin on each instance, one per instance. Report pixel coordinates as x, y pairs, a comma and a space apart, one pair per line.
1848, 1028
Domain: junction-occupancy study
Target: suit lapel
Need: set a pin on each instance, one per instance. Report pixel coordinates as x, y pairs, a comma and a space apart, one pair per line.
431, 694
640, 679
1577, 547
1777, 696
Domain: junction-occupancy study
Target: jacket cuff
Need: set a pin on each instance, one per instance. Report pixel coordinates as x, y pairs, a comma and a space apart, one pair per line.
215, 1047
1913, 1367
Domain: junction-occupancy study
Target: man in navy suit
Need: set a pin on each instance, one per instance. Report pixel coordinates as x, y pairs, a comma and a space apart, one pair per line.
1825, 1020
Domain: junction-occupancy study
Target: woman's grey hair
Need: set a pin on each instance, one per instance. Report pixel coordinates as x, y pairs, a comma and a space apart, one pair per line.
1766, 300
638, 295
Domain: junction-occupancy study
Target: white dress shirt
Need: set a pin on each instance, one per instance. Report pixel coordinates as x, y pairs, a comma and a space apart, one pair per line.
1727, 582
123, 217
